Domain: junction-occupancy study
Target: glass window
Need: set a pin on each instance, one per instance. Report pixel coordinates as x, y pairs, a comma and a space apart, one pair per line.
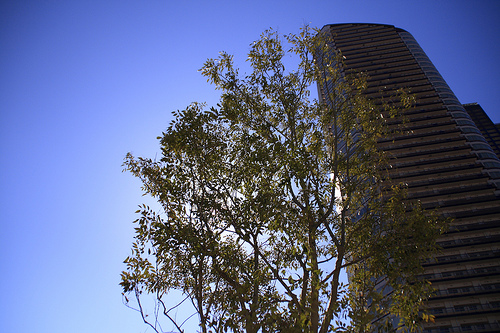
487, 155
475, 138
465, 122
470, 130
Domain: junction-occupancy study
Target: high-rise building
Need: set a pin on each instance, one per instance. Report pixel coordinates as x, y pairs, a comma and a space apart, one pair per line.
449, 159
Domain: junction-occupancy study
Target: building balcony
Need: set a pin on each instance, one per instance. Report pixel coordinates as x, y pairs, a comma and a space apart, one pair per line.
465, 291
465, 309
479, 327
464, 273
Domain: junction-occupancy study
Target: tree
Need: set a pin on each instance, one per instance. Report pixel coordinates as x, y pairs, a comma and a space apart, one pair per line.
268, 197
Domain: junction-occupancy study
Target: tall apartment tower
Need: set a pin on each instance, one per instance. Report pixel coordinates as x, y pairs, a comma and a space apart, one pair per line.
448, 165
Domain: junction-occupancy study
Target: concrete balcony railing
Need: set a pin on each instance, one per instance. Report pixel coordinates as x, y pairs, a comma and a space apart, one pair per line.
484, 328
483, 271
467, 290
465, 309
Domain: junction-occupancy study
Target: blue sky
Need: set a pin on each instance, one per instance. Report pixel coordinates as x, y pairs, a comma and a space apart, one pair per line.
84, 82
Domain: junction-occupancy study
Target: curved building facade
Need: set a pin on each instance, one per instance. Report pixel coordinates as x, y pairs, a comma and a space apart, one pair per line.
448, 165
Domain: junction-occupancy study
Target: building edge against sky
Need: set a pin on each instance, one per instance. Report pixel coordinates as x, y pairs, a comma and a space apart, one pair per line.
449, 159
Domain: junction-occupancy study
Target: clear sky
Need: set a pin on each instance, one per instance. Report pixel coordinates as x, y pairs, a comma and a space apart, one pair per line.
84, 82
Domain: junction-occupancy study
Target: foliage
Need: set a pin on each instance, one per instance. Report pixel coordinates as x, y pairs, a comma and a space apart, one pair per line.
268, 197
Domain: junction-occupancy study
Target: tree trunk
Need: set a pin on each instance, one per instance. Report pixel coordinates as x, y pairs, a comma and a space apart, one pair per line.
314, 279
